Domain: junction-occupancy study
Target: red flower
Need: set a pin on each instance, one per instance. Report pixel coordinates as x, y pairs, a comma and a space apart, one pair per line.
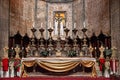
17, 64
102, 61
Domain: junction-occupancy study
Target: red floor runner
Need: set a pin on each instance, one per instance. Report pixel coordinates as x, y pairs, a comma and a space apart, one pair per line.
60, 78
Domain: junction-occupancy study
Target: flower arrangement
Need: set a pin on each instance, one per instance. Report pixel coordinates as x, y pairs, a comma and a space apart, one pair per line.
44, 53
72, 53
17, 64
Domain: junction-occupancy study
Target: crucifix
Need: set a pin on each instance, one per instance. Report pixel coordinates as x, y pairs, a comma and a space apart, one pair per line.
59, 19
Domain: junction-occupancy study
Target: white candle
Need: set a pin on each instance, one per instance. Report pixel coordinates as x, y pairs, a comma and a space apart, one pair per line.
33, 24
113, 66
66, 24
56, 25
41, 25
84, 24
61, 28
74, 25
50, 25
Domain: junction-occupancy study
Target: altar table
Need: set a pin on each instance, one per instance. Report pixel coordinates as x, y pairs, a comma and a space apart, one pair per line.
58, 64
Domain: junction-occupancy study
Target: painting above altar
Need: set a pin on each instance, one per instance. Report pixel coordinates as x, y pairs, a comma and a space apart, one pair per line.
59, 24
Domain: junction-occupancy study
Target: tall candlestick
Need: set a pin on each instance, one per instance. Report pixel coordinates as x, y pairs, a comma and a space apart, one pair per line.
56, 26
74, 25
61, 29
33, 24
67, 24
84, 24
50, 25
41, 24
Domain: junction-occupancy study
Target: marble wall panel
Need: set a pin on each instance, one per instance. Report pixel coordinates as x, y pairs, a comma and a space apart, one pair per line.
4, 25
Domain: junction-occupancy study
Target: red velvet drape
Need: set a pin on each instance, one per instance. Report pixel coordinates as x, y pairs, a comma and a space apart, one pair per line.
5, 64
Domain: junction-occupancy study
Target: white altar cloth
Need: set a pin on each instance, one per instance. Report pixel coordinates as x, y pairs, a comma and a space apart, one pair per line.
58, 59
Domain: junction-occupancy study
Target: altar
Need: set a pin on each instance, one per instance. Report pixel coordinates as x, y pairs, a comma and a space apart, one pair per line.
58, 64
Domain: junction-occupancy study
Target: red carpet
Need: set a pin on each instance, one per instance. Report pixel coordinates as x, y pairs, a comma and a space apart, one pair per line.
60, 78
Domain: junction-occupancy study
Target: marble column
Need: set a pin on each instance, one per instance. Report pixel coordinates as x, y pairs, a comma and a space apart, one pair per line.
115, 26
4, 24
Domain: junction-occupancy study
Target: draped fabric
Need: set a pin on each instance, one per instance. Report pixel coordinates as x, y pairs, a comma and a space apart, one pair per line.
28, 64
90, 64
58, 67
61, 65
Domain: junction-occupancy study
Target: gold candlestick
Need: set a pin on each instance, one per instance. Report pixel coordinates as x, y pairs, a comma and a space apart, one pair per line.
74, 31
17, 50
33, 38
41, 31
75, 40
66, 31
6, 52
66, 39
114, 50
42, 38
91, 50
101, 51
50, 32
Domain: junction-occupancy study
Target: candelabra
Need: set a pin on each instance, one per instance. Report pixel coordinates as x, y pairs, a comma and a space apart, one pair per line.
66, 39
84, 37
50, 39
33, 38
41, 40
75, 40
41, 31
75, 46
74, 32
84, 46
66, 31
50, 32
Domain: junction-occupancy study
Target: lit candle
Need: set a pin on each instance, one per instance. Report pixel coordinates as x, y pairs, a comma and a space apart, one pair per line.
114, 68
50, 25
56, 25
61, 28
41, 25
33, 24
84, 24
74, 25
67, 24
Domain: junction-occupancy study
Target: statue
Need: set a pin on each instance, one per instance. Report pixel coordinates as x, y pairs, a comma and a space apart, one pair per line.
107, 68
11, 69
28, 51
99, 73
91, 50
101, 51
17, 50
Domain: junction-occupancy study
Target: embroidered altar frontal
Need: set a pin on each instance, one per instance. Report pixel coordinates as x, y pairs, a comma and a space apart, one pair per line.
58, 64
